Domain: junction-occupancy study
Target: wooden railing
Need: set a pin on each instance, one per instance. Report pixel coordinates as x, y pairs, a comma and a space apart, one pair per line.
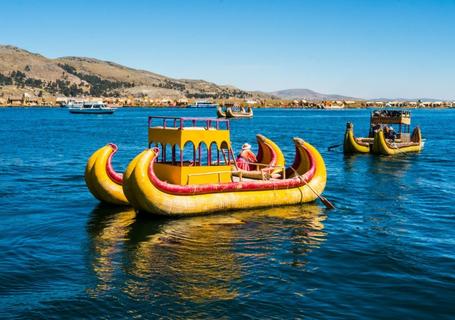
267, 166
187, 122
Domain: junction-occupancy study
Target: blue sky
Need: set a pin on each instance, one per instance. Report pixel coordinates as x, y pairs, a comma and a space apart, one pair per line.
360, 48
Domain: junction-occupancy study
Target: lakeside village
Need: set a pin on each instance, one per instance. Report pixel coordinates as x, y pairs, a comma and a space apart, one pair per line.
27, 100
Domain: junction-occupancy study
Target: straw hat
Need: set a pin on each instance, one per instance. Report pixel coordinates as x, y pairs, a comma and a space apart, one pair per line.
246, 146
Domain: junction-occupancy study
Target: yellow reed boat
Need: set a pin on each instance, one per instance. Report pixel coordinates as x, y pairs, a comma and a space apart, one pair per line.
189, 169
383, 138
234, 111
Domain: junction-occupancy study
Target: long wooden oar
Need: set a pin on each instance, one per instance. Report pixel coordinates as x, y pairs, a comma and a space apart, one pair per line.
334, 146
324, 200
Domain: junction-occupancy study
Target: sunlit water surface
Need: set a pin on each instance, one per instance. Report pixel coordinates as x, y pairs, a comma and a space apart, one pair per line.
387, 251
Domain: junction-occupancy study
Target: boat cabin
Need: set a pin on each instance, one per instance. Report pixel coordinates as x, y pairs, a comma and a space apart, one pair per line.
230, 104
94, 105
401, 118
192, 150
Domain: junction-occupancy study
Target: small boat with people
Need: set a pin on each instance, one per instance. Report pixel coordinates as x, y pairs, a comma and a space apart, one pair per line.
234, 111
92, 108
189, 168
383, 138
203, 104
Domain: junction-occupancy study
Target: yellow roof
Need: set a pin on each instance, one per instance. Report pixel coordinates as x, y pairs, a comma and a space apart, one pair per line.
390, 117
179, 131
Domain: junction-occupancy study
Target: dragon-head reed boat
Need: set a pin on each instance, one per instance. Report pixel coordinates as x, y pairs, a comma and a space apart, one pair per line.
383, 138
231, 110
189, 168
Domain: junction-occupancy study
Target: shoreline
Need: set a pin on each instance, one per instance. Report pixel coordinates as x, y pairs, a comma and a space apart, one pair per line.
145, 102
258, 107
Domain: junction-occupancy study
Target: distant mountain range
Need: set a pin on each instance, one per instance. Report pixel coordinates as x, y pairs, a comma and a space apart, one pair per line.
24, 72
406, 99
306, 94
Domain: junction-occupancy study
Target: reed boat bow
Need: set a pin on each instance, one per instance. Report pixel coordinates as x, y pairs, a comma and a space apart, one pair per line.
220, 113
352, 144
101, 178
270, 160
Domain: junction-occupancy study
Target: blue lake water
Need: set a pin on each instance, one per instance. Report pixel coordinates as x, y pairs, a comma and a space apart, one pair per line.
386, 251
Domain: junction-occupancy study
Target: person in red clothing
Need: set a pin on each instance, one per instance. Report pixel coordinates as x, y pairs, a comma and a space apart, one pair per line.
245, 158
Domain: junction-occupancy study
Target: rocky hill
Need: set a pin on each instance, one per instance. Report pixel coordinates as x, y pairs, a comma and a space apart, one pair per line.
307, 94
22, 71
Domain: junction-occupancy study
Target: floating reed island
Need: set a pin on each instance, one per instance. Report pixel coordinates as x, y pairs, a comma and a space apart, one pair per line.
30, 100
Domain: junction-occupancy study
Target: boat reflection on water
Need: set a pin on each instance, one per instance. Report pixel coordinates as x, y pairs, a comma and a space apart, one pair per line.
200, 258
385, 166
389, 167
107, 228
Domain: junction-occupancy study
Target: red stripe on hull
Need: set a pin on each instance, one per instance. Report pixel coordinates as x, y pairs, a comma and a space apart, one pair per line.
233, 186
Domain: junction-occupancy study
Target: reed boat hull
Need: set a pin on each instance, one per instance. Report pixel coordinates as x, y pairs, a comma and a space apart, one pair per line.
103, 182
383, 147
351, 145
234, 114
147, 193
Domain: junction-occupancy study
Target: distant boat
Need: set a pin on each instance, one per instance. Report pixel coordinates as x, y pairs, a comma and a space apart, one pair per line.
333, 107
92, 108
239, 113
203, 104
234, 111
73, 104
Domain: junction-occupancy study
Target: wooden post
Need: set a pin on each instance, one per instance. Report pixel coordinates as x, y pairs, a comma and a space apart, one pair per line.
209, 155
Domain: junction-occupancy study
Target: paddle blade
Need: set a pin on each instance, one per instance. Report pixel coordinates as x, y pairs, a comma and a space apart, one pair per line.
327, 203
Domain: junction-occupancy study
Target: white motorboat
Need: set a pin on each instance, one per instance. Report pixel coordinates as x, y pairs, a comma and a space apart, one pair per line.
92, 108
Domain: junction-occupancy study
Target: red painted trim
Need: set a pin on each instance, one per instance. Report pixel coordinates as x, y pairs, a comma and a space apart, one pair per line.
116, 177
273, 160
297, 159
232, 186
260, 155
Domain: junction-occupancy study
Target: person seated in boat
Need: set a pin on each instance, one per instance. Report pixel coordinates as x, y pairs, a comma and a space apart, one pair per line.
374, 128
386, 130
246, 158
392, 134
